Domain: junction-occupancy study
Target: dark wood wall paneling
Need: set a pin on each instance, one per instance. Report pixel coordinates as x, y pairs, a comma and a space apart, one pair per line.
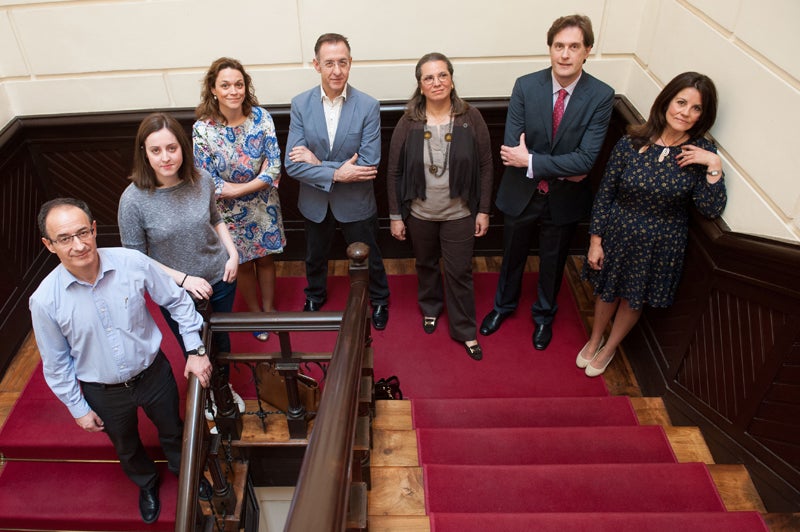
89, 157
726, 356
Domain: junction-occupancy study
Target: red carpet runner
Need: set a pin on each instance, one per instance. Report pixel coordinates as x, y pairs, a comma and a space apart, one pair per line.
525, 441
519, 441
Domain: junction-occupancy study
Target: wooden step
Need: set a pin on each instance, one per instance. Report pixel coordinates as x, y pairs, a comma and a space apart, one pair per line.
396, 448
393, 523
688, 444
392, 415
736, 487
277, 429
779, 522
396, 491
651, 411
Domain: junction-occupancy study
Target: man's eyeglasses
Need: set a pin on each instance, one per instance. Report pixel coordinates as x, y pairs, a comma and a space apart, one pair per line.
341, 63
441, 76
66, 240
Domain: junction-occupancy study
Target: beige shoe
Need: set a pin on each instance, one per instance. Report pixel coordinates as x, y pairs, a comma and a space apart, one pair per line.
591, 371
582, 362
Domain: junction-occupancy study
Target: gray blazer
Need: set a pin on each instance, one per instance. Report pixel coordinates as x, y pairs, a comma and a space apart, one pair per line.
573, 152
359, 131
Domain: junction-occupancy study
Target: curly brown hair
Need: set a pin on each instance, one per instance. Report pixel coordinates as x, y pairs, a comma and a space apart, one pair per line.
208, 109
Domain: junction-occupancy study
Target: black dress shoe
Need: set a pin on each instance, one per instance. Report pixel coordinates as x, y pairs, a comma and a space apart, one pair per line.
380, 316
542, 336
492, 322
474, 351
429, 324
149, 505
312, 306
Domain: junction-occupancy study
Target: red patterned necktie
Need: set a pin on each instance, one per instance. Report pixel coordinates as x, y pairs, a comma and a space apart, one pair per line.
558, 114
558, 110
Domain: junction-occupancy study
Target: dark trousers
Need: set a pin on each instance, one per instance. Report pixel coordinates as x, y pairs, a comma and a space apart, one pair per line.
319, 237
221, 301
157, 393
554, 243
452, 242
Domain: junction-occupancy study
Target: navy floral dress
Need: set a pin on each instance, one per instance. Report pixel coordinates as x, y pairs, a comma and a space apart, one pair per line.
642, 214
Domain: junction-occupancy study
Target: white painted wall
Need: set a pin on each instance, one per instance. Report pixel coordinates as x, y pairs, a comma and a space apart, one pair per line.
76, 56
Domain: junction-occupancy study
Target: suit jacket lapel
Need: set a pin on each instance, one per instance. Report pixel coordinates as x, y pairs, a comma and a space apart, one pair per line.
546, 105
348, 109
575, 108
318, 123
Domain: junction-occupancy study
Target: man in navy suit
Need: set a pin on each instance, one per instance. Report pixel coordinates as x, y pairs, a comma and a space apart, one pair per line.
543, 182
333, 150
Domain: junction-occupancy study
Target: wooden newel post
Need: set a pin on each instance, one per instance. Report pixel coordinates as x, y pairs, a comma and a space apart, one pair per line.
358, 253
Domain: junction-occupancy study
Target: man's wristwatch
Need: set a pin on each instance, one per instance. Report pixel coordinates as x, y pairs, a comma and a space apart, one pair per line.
200, 351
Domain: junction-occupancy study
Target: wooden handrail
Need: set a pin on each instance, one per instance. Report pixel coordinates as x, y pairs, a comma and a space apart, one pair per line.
276, 321
321, 496
322, 491
194, 428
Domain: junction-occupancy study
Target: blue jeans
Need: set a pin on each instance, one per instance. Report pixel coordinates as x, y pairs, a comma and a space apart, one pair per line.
221, 301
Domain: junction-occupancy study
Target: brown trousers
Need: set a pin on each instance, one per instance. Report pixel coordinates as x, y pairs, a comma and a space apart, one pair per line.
452, 242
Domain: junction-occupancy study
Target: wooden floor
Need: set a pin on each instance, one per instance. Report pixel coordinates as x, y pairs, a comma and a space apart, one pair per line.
397, 478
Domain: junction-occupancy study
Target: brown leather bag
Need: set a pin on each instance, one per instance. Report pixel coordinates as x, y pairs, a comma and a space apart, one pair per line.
272, 389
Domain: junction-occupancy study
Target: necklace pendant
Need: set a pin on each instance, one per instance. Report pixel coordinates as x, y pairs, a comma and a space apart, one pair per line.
433, 169
663, 154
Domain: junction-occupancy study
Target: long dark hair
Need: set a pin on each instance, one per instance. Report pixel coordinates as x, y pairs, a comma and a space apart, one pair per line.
143, 175
415, 108
657, 121
209, 106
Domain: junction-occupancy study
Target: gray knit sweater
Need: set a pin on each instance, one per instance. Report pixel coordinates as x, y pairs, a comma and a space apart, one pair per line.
175, 226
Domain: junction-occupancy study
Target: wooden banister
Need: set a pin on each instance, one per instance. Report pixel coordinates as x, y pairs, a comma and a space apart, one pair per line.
323, 489
192, 459
321, 496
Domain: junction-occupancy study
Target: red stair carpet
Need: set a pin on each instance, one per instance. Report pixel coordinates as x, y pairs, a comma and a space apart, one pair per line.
536, 445
504, 442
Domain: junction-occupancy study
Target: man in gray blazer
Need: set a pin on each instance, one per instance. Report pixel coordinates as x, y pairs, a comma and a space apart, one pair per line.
544, 178
333, 150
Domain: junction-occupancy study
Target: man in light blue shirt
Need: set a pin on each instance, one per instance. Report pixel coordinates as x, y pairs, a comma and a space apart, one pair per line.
100, 347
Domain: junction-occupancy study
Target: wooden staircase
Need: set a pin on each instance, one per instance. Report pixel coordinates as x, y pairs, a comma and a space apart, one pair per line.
397, 500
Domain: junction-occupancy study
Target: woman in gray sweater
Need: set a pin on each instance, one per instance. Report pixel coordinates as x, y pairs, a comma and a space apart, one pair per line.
169, 213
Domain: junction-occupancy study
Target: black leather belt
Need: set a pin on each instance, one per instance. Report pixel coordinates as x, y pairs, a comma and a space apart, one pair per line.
130, 383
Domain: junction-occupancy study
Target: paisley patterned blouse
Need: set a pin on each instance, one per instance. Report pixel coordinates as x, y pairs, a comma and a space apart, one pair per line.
236, 155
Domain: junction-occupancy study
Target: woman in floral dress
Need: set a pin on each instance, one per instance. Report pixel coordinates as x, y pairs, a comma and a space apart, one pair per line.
234, 140
640, 217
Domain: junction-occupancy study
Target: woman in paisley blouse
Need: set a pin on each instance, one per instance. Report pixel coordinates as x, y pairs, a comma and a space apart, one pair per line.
234, 140
640, 219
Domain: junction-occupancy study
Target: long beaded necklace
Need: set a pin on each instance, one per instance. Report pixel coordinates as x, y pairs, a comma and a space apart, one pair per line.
448, 137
